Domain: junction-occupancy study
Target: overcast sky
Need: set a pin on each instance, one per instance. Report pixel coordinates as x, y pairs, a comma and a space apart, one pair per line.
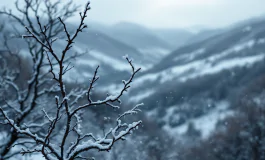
172, 13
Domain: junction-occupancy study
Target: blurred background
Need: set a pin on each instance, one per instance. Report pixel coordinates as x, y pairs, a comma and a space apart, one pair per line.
202, 79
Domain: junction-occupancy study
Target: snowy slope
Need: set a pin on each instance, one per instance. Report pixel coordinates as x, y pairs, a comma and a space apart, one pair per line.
177, 87
178, 90
205, 123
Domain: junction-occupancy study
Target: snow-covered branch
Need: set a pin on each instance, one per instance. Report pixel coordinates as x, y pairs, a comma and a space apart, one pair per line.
66, 114
23, 90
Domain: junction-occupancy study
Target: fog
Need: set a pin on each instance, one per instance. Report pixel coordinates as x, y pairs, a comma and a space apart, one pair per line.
171, 13
132, 79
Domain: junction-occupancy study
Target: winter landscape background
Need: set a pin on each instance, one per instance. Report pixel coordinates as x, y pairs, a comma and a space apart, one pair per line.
202, 86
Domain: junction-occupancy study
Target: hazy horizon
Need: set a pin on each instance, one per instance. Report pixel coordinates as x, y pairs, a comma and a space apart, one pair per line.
188, 13
171, 13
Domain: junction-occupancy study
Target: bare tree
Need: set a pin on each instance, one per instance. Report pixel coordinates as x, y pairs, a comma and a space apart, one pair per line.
50, 135
28, 89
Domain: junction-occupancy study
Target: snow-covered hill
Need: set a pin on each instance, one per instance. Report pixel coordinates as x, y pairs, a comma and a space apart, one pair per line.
180, 88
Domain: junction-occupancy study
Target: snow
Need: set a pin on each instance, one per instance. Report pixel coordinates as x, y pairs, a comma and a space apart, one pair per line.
190, 56
96, 58
27, 157
91, 63
261, 41
177, 70
205, 124
152, 113
247, 29
106, 143
240, 47
36, 157
146, 77
207, 68
120, 65
154, 52
3, 136
16, 148
112, 88
204, 66
144, 94
87, 75
235, 49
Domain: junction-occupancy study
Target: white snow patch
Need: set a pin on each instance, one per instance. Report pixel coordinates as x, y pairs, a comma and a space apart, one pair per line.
112, 89
180, 130
144, 94
29, 157
89, 62
198, 68
168, 74
37, 157
261, 41
225, 64
147, 77
204, 66
97, 58
116, 64
247, 29
236, 48
177, 70
169, 112
3, 136
190, 56
154, 52
152, 113
206, 123
240, 47
87, 75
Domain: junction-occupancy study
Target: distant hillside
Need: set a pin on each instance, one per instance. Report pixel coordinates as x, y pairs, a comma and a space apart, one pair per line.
199, 80
175, 37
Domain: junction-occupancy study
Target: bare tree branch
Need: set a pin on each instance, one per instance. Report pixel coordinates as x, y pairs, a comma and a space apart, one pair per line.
67, 112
